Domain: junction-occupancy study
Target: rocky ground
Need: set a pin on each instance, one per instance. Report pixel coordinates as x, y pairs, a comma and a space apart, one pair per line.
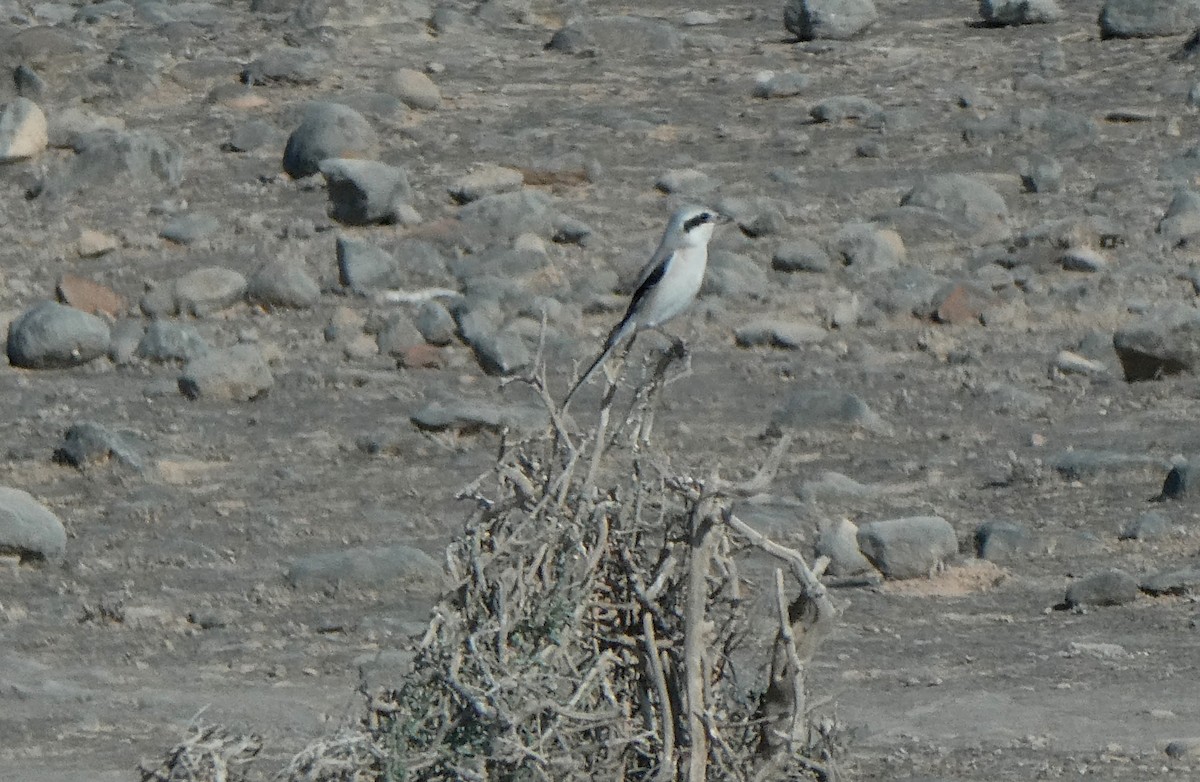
961, 274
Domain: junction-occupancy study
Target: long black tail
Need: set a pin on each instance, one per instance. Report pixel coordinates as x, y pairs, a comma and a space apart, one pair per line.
619, 332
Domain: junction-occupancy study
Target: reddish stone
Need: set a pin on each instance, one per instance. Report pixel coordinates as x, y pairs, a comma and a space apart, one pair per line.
422, 357
958, 304
91, 297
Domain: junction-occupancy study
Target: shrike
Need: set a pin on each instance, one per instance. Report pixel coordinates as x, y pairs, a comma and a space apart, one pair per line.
667, 284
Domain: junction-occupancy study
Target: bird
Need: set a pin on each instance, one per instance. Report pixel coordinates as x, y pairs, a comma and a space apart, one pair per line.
667, 284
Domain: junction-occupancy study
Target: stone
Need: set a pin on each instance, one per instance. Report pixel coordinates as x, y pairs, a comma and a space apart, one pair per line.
974, 209
734, 275
1002, 541
88, 444
29, 529
1180, 581
1148, 526
836, 20
364, 192
23, 130
190, 228
789, 335
838, 540
88, 296
608, 35
238, 373
1082, 463
1040, 174
501, 352
769, 84
1183, 748
865, 248
841, 108
1180, 224
249, 136
435, 323
28, 83
328, 130
54, 336
466, 416
421, 357
959, 303
300, 66
487, 180
207, 290
106, 158
363, 266
1159, 346
690, 182
93, 244
168, 340
397, 336
801, 255
1148, 18
1111, 587
415, 89
1071, 363
908, 547
283, 282
1002, 13
819, 408
1178, 482
501, 218
126, 335
1082, 259
371, 567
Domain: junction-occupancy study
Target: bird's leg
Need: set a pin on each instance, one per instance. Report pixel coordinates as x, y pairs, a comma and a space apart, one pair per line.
679, 352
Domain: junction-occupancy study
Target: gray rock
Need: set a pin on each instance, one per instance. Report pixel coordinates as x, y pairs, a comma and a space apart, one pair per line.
249, 136
1148, 526
28, 83
610, 35
295, 66
204, 291
435, 323
768, 84
838, 540
363, 267
1148, 18
364, 192
167, 340
908, 547
690, 182
468, 416
1003, 13
397, 335
485, 181
837, 20
789, 335
23, 130
821, 408
1159, 346
53, 336
238, 373
801, 255
420, 260
124, 339
734, 275
756, 217
1181, 223
502, 352
1178, 482
1041, 174
1082, 259
28, 529
1002, 541
1183, 748
501, 218
107, 158
866, 248
835, 485
1182, 581
328, 130
87, 444
283, 282
1008, 399
415, 89
190, 228
1112, 587
1052, 128
1084, 463
976, 210
371, 567
841, 108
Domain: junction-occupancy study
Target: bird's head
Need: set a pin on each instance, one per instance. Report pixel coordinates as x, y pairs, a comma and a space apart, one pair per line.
692, 226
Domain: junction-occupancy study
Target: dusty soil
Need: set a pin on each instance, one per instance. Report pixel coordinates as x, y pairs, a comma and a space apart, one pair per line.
172, 603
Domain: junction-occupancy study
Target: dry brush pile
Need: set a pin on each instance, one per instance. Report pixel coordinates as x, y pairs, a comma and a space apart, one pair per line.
597, 628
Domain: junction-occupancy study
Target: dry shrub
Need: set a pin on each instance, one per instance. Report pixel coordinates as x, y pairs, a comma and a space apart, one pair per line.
598, 627
207, 754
